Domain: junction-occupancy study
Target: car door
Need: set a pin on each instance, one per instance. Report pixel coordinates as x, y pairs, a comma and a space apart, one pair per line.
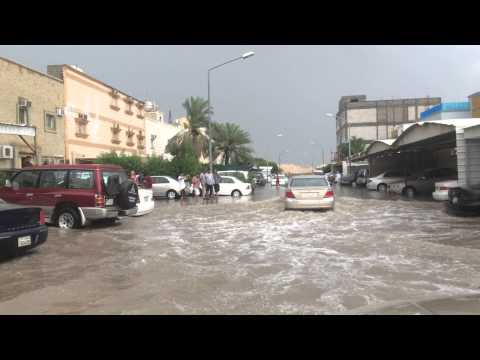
162, 186
226, 186
51, 190
24, 187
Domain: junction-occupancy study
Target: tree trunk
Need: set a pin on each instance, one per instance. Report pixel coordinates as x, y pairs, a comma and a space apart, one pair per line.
227, 158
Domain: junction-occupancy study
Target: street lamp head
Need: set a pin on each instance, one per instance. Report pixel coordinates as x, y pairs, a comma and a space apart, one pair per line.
248, 54
279, 135
329, 114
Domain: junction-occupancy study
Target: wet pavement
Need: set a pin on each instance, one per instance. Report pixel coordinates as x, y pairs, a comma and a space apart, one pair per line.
249, 256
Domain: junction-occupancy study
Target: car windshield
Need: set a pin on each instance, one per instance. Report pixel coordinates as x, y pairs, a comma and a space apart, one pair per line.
309, 182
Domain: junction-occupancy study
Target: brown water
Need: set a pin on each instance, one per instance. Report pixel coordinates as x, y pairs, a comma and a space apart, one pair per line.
249, 256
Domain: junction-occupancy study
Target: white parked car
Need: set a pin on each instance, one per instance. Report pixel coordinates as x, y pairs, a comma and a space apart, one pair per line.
147, 204
441, 189
231, 186
381, 182
282, 181
166, 186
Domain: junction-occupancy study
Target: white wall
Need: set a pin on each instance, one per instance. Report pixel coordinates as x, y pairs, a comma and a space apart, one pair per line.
364, 132
362, 115
163, 131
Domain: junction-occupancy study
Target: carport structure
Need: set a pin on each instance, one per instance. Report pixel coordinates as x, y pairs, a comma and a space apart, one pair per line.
21, 131
421, 145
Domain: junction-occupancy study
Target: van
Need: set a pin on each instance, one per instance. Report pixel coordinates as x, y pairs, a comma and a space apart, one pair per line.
74, 195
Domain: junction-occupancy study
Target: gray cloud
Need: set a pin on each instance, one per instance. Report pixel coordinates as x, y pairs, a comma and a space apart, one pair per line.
282, 89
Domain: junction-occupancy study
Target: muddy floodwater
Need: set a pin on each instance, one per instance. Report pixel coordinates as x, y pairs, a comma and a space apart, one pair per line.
249, 256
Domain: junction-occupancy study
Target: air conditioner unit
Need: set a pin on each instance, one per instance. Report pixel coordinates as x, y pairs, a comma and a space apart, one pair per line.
60, 111
23, 102
6, 152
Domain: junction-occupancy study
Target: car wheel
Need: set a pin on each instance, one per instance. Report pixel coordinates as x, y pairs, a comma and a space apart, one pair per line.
171, 194
409, 192
382, 188
68, 218
236, 193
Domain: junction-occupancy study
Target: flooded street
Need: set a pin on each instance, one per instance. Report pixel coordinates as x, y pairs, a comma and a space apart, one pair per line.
249, 256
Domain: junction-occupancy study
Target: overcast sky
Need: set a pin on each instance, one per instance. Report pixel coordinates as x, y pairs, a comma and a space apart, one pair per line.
282, 89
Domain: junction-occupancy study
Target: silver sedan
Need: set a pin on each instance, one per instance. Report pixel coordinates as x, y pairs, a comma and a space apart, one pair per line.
309, 192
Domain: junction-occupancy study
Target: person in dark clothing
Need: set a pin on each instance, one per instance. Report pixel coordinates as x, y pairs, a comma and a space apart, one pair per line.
216, 185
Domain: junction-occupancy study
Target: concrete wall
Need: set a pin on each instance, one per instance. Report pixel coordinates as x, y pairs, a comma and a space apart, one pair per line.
163, 132
45, 94
364, 132
86, 95
362, 115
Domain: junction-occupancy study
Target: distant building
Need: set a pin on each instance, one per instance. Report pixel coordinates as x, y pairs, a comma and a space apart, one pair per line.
376, 119
158, 131
474, 101
450, 110
98, 117
31, 117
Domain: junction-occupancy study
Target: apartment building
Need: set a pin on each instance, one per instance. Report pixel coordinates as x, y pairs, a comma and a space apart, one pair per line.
98, 117
376, 119
31, 116
158, 131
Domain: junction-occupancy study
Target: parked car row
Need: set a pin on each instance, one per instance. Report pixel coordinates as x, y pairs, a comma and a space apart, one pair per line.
434, 182
168, 187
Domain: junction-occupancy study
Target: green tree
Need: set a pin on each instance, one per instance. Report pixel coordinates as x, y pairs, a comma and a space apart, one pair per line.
357, 145
197, 115
128, 163
185, 161
231, 142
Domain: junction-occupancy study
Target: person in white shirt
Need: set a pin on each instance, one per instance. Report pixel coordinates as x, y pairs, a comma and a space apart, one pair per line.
210, 180
181, 181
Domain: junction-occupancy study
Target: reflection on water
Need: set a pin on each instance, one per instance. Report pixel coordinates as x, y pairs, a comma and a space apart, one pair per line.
249, 256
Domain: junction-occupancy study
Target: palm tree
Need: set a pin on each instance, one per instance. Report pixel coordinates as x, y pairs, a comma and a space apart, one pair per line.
194, 129
231, 142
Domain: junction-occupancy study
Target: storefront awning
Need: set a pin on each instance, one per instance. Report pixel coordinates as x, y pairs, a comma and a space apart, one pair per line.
13, 129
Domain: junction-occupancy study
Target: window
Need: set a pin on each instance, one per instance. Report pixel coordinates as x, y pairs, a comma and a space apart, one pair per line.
160, 180
122, 175
50, 122
81, 179
394, 174
23, 111
310, 182
25, 179
226, 180
53, 179
82, 121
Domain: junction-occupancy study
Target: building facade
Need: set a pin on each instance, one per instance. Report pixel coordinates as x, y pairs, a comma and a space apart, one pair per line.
31, 102
376, 119
474, 101
98, 117
158, 132
450, 110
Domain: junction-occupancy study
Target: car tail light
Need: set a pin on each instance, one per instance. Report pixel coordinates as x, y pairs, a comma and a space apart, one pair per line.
289, 194
99, 200
328, 194
443, 188
41, 217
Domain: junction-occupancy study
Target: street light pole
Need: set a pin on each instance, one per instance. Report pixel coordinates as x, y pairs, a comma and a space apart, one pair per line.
210, 150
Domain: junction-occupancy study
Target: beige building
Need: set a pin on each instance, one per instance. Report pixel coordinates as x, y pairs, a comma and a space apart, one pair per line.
98, 117
158, 131
31, 116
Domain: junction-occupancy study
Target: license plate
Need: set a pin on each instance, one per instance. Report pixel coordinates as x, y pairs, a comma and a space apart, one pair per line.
24, 241
109, 202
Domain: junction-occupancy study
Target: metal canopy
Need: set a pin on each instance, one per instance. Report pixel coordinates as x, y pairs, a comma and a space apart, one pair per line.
20, 130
